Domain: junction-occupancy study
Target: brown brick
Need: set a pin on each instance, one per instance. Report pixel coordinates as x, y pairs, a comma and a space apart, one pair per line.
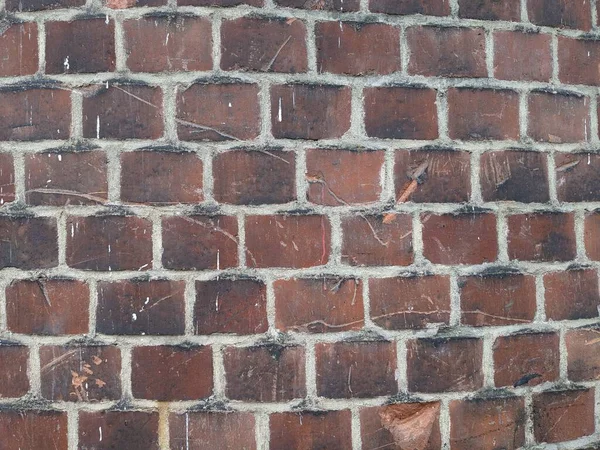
446, 176
558, 118
518, 176
342, 177
28, 242
122, 4
254, 177
541, 237
153, 307
264, 45
440, 365
40, 430
236, 306
109, 243
592, 235
329, 430
123, 112
161, 178
199, 242
7, 178
218, 112
377, 240
446, 52
318, 305
572, 295
497, 299
34, 113
47, 306
400, 113
80, 373
509, 10
409, 302
39, 5
66, 178
310, 111
19, 50
213, 430
356, 369
355, 48
483, 114
487, 423
578, 61
169, 373
583, 357
222, 3
266, 373
577, 177
560, 13
80, 46
563, 415
287, 241
522, 56
13, 371
168, 43
459, 238
118, 429
402, 7
403, 425
335, 5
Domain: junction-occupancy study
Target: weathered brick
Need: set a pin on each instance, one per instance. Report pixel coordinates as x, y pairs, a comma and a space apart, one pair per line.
572, 294
331, 5
19, 50
13, 371
7, 178
558, 118
583, 357
509, 10
39, 5
592, 235
221, 3
212, 429
329, 430
560, 13
577, 177
42, 430
522, 56
578, 61
402, 7
28, 242
118, 429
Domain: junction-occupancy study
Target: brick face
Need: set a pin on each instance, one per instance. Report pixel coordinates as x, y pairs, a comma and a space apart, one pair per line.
558, 118
19, 50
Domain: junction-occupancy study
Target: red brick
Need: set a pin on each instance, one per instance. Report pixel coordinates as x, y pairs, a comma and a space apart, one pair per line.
248, 177
80, 46
563, 415
271, 44
335, 5
509, 10
522, 56
342, 177
558, 118
483, 114
118, 429
444, 364
401, 425
402, 7
310, 111
199, 242
518, 176
170, 373
487, 423
400, 113
222, 3
410, 302
266, 373
168, 43
329, 430
460, 238
123, 112
13, 371
577, 177
80, 373
356, 48
572, 294
541, 237
236, 306
377, 240
592, 235
109, 243
287, 241
213, 430
446, 52
153, 307
7, 178
446, 175
121, 4
583, 357
66, 178
318, 305
356, 369
497, 299
560, 13
34, 113
47, 306
40, 430
578, 61
161, 177
39, 5
28, 242
19, 50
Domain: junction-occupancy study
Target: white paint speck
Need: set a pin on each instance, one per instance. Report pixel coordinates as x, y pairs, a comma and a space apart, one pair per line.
66, 63
167, 39
279, 117
147, 300
230, 104
107, 20
134, 317
98, 126
60, 157
217, 303
100, 431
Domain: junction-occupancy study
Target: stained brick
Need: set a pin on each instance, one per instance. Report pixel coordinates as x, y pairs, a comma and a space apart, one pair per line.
329, 430
560, 13
572, 294
118, 429
521, 55
13, 371
28, 242
39, 5
426, 7
214, 430
42, 430
7, 178
490, 10
583, 357
558, 118
577, 177
19, 50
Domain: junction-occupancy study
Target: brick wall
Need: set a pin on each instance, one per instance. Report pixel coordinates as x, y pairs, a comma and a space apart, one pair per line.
279, 224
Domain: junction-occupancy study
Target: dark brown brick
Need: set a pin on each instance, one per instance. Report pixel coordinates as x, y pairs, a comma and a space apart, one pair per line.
66, 178
42, 430
19, 50
28, 242
335, 5
13, 371
577, 177
440, 365
578, 61
80, 373
47, 306
109, 243
39, 5
509, 10
572, 295
592, 235
310, 111
583, 357
213, 430
356, 369
221, 3
560, 13
558, 118
521, 55
199, 242
118, 429
329, 430
7, 178
402, 7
